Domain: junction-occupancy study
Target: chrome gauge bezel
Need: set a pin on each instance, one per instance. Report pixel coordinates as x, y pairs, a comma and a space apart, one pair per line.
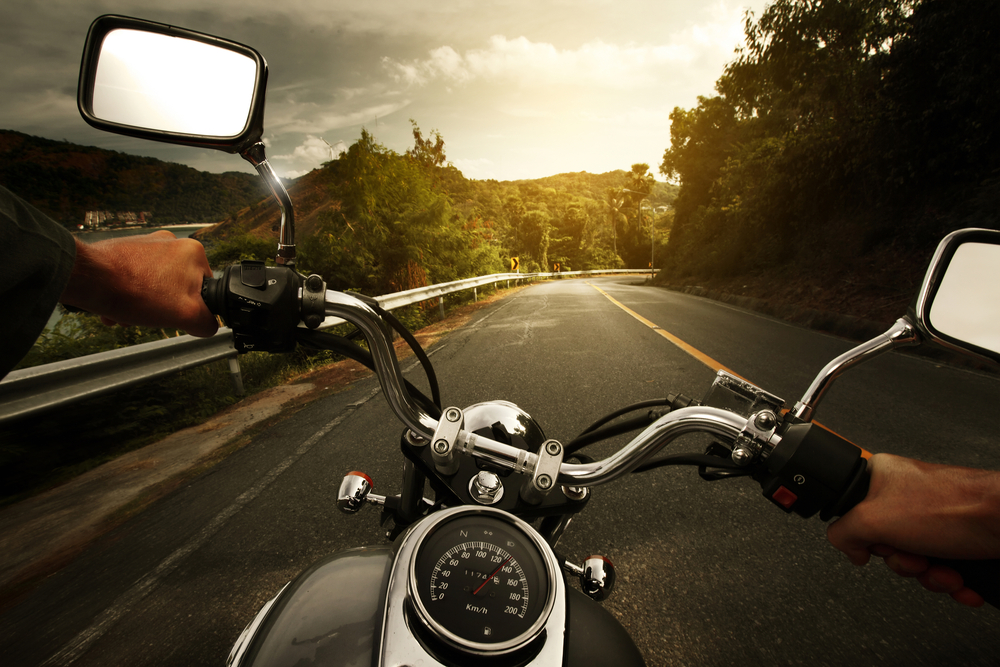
546, 557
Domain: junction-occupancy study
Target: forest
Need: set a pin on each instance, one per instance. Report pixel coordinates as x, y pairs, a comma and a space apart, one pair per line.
379, 221
841, 131
65, 180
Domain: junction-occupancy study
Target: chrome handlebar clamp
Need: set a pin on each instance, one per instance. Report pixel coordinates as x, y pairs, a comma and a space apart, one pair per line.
757, 439
443, 442
546, 472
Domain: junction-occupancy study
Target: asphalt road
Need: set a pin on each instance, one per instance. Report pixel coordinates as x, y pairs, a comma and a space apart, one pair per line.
709, 574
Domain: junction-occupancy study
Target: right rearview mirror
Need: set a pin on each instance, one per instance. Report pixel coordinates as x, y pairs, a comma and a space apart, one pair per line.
959, 303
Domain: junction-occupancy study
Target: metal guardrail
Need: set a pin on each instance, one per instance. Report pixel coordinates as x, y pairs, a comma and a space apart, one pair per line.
35, 390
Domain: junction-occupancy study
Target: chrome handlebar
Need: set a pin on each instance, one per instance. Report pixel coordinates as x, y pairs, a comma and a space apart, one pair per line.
379, 337
720, 423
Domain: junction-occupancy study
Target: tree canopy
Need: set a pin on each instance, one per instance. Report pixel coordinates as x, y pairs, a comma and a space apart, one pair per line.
866, 120
407, 220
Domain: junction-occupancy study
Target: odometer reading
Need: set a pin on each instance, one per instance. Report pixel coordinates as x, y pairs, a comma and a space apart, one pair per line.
481, 580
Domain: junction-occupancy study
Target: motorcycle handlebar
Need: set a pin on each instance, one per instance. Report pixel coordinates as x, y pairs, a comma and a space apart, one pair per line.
981, 576
721, 423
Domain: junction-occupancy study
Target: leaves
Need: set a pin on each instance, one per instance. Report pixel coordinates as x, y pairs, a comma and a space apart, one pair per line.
872, 113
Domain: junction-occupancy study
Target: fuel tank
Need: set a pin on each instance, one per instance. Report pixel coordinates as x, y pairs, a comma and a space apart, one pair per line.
328, 616
332, 614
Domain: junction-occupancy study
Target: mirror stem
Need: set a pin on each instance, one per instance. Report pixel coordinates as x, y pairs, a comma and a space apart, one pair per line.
286, 234
901, 334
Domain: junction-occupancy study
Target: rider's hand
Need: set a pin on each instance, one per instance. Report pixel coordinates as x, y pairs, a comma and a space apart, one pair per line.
928, 509
151, 280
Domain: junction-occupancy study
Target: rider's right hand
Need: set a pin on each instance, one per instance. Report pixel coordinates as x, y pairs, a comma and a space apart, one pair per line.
928, 509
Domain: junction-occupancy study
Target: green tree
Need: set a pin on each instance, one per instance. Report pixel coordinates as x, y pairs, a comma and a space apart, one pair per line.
812, 138
393, 230
426, 152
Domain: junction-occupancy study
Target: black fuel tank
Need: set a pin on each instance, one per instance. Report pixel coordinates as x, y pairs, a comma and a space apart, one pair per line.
329, 616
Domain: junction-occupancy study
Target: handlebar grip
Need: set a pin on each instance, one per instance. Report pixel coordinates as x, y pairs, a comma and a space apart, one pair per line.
982, 576
213, 293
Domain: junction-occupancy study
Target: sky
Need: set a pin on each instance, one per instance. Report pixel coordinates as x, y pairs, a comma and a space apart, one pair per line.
518, 89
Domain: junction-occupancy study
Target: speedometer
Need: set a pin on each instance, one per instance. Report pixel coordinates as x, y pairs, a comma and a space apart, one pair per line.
480, 581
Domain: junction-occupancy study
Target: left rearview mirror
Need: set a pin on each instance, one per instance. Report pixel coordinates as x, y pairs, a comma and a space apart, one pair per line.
160, 82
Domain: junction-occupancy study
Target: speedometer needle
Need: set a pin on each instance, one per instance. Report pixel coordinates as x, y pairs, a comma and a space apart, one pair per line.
489, 578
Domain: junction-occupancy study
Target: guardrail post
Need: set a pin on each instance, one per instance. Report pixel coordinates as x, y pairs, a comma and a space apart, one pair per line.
475, 295
236, 375
441, 305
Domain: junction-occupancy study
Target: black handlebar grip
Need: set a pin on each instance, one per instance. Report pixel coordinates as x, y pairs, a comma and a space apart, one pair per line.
854, 492
982, 576
213, 293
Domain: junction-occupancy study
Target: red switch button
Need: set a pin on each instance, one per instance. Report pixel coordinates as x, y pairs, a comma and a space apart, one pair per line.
784, 497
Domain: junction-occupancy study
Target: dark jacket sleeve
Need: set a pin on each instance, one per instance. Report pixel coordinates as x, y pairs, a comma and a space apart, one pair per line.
36, 260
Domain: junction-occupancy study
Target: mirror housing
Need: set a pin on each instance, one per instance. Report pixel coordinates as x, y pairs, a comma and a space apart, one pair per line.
156, 81
958, 306
126, 77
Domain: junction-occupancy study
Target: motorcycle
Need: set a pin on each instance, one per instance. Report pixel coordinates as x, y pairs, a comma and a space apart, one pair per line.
471, 574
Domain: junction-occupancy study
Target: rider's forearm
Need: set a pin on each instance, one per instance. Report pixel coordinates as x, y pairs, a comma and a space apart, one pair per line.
91, 281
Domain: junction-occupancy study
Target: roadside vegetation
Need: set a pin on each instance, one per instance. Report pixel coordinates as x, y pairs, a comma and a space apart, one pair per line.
844, 140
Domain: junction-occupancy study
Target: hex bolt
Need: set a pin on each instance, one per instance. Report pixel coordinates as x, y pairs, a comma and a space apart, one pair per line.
441, 447
544, 482
452, 415
553, 448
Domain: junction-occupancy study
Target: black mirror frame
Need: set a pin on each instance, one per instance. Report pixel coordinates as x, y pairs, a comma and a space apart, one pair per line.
920, 312
238, 143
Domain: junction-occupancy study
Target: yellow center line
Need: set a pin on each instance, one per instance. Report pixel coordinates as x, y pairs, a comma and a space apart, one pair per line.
693, 351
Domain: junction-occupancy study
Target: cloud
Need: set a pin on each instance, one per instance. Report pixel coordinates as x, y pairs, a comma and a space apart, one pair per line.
528, 63
598, 63
309, 155
311, 117
522, 83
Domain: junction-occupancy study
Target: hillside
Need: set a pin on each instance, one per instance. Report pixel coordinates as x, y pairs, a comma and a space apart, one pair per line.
310, 195
65, 180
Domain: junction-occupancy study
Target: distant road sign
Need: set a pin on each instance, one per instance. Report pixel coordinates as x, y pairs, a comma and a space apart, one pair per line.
515, 264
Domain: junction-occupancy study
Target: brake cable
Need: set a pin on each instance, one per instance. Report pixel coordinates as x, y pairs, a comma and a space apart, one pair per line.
344, 347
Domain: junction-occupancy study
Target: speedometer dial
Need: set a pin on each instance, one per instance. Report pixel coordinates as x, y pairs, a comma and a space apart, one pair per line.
479, 581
